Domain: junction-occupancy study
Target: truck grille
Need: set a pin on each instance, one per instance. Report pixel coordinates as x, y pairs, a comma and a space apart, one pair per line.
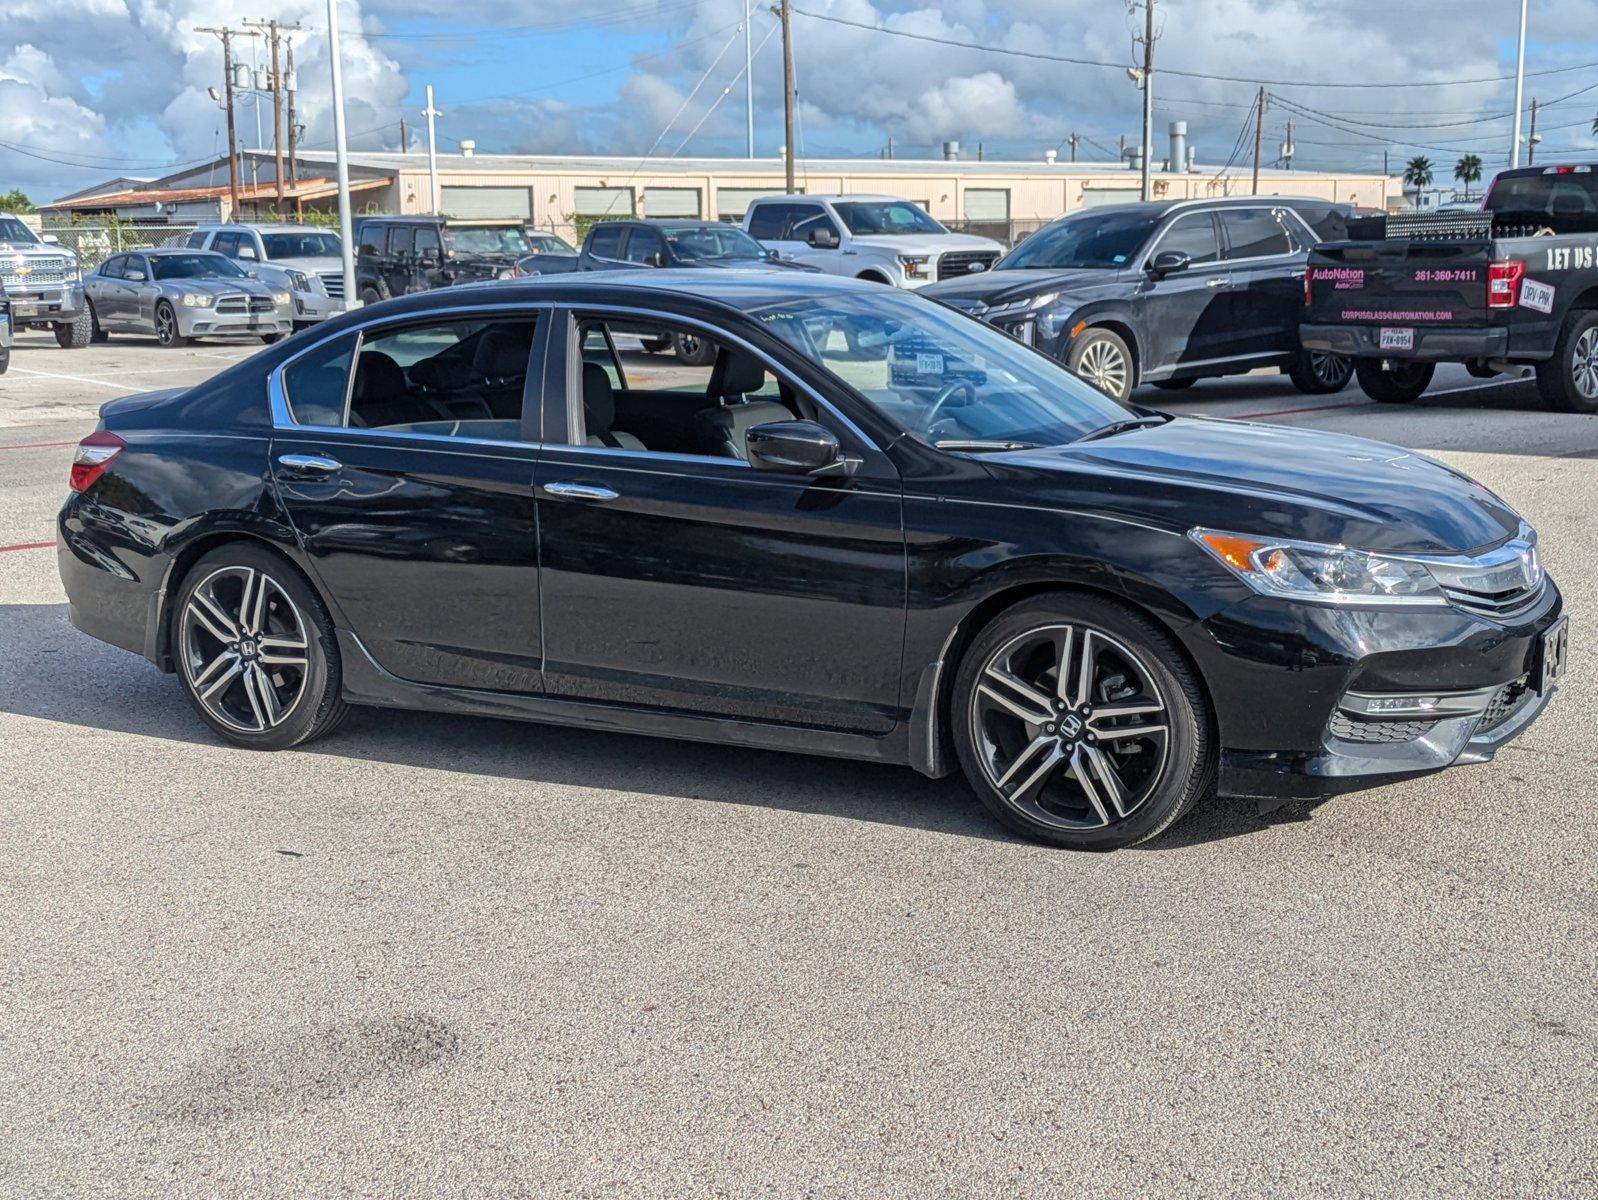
333, 283
33, 272
959, 262
234, 304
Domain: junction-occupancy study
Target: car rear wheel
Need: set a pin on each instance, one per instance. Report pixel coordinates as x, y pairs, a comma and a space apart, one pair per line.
1568, 381
1317, 374
693, 350
96, 335
166, 327
76, 333
255, 649
1078, 723
1398, 385
1101, 357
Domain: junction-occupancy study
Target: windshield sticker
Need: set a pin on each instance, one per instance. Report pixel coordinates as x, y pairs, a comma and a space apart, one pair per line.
1537, 296
1118, 259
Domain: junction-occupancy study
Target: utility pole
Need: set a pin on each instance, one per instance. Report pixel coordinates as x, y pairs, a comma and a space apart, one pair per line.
1259, 135
432, 149
405, 141
227, 36
890, 145
1073, 140
274, 36
749, 81
1520, 87
1531, 135
346, 232
294, 129
787, 93
1147, 191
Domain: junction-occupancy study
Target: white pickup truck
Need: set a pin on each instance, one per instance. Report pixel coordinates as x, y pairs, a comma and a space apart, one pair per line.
870, 237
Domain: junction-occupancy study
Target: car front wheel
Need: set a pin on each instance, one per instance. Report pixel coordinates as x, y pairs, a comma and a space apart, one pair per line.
1101, 357
166, 327
1317, 374
694, 350
255, 649
1078, 723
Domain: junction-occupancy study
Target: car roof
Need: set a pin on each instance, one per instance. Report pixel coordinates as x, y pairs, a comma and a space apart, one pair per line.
264, 226
1160, 208
167, 251
839, 198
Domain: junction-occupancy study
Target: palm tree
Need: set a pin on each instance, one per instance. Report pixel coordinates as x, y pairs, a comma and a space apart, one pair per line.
1468, 171
1418, 175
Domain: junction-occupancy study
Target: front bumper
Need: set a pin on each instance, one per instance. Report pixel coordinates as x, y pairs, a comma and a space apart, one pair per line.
1432, 343
1292, 685
47, 305
207, 322
315, 306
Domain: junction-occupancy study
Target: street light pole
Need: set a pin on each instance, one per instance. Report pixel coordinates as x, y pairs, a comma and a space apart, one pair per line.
749, 80
1520, 88
1146, 190
431, 114
346, 230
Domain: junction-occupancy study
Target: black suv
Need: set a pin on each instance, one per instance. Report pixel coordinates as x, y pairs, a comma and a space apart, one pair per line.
395, 256
1164, 293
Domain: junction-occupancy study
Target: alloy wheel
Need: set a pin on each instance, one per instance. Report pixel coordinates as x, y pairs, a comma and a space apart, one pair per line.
1332, 370
166, 325
1069, 727
1104, 366
1584, 364
244, 649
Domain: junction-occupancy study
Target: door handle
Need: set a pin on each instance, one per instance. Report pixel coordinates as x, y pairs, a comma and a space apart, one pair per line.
579, 491
1219, 281
314, 465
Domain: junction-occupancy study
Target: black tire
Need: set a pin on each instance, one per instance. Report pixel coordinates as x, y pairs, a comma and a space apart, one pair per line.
1101, 358
693, 350
1568, 381
1317, 374
1174, 385
166, 330
291, 605
1398, 386
76, 333
96, 335
1160, 776
369, 296
656, 345
272, 339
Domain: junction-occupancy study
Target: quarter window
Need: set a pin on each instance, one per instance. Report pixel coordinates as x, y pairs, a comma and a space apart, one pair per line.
315, 383
1254, 233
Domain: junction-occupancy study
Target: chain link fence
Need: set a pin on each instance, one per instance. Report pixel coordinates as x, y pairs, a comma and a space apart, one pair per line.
1009, 232
93, 244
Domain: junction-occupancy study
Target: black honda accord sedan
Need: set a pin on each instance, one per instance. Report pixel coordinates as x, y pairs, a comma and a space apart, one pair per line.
870, 527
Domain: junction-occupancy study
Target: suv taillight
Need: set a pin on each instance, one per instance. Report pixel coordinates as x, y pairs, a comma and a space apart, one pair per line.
92, 457
1503, 283
1306, 285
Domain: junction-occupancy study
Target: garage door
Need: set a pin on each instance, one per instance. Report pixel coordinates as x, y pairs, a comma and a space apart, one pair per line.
489, 203
1097, 197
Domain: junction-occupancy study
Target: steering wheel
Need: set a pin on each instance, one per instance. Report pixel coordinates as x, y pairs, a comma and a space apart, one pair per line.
949, 392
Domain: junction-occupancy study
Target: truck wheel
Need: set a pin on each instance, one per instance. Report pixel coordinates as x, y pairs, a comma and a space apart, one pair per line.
656, 345
76, 333
1569, 380
1101, 358
1317, 374
369, 296
166, 327
1398, 386
693, 350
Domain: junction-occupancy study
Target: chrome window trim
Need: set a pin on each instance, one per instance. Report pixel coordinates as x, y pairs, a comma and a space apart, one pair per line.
721, 335
1186, 208
277, 398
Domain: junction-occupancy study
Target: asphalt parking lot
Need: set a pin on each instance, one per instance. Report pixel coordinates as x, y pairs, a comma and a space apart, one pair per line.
442, 956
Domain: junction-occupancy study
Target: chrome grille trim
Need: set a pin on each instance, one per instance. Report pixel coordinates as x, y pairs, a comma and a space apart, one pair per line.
333, 283
1500, 583
959, 262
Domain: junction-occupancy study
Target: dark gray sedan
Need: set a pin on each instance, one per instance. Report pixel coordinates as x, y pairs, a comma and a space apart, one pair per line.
178, 294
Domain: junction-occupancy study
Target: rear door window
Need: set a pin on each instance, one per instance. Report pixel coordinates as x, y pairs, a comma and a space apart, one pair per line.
1254, 233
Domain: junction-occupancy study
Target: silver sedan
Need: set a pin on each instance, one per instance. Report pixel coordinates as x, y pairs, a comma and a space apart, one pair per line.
178, 294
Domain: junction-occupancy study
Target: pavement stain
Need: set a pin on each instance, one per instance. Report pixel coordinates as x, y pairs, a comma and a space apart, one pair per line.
297, 1068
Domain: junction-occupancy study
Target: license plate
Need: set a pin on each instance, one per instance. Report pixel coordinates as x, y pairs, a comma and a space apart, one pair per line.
1397, 339
22, 308
1555, 654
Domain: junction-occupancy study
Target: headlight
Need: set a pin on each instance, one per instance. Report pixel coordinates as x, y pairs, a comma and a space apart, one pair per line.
298, 280
281, 299
1321, 574
197, 300
915, 265
1029, 304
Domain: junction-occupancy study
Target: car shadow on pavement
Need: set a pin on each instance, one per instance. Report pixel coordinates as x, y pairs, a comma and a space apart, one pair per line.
54, 673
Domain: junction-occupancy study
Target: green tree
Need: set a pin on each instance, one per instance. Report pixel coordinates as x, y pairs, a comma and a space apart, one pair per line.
1418, 174
1468, 171
15, 201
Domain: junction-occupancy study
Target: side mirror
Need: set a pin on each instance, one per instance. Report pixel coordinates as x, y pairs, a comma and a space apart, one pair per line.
50, 239
823, 237
796, 448
135, 276
1168, 262
654, 259
772, 255
252, 274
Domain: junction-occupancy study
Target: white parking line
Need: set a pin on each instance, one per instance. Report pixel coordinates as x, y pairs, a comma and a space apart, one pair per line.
121, 387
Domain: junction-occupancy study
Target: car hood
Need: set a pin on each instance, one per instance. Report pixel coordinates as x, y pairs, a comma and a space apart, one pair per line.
216, 287
992, 288
1270, 480
925, 243
311, 266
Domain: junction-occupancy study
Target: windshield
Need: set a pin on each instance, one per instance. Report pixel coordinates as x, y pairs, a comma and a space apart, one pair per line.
938, 375
479, 239
713, 243
549, 243
13, 230
194, 266
886, 216
1106, 240
301, 244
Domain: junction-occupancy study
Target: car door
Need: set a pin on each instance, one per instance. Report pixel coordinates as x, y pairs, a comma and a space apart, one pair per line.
138, 302
412, 500
397, 256
1267, 290
427, 270
677, 579
1185, 314
103, 286
643, 243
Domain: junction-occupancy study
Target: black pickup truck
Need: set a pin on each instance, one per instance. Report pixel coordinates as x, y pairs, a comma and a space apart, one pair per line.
1515, 284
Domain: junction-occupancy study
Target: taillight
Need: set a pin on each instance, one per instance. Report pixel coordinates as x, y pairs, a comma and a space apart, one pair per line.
1306, 285
92, 457
1503, 283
